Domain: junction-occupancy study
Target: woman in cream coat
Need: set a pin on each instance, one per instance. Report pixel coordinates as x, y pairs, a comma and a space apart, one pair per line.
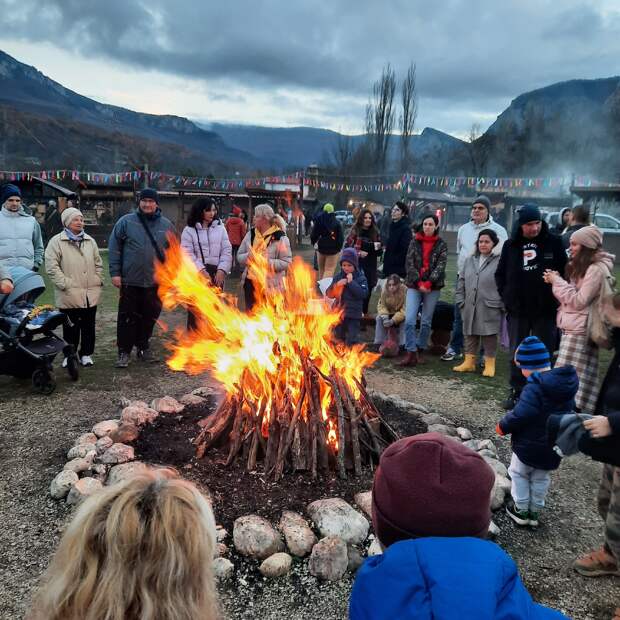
74, 265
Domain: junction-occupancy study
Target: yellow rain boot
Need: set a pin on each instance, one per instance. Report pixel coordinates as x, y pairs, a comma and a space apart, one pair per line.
468, 365
489, 367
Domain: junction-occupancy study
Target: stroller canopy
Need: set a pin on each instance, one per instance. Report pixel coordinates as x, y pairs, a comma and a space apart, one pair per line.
24, 281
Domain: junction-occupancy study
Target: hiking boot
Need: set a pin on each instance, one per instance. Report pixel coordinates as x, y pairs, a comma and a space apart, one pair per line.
534, 517
123, 360
511, 401
410, 359
520, 517
597, 563
146, 356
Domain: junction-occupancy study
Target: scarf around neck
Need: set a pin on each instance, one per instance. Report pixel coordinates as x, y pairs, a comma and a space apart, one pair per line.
73, 237
263, 238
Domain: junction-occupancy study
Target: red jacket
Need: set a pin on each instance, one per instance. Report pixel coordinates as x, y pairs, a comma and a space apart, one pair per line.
236, 229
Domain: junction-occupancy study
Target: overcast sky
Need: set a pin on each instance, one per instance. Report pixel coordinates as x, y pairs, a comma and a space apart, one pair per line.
284, 63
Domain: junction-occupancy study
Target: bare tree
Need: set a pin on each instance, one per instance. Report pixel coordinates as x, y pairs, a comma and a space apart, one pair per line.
478, 148
409, 100
342, 154
380, 116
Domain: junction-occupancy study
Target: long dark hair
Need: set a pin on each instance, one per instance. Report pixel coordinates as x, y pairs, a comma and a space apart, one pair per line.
359, 229
578, 265
420, 227
198, 208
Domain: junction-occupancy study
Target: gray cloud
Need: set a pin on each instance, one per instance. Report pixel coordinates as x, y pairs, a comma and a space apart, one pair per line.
469, 53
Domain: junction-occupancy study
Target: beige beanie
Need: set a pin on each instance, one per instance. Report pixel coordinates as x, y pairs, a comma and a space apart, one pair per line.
68, 214
589, 237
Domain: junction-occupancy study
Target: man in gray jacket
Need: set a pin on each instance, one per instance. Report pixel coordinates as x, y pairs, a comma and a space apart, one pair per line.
21, 242
137, 241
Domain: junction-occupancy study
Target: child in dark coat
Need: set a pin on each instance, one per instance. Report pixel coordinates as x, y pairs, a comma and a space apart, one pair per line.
547, 391
349, 288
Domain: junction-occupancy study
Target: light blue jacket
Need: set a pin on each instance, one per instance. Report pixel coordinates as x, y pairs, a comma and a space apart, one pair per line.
21, 242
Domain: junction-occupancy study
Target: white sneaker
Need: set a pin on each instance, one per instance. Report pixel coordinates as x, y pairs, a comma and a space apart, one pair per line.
64, 363
87, 360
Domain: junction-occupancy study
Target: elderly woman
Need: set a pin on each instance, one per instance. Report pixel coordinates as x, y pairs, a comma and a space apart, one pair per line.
74, 265
206, 241
267, 236
588, 266
479, 302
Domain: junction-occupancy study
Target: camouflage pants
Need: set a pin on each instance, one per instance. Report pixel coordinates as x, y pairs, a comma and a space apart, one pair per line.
609, 507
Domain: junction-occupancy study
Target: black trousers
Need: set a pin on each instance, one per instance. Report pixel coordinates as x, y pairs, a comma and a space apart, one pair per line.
248, 294
519, 327
138, 310
81, 332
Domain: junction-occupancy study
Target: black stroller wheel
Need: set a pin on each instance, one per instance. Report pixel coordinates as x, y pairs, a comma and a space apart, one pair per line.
73, 367
43, 381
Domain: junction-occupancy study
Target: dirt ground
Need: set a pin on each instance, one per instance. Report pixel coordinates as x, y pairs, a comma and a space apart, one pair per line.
36, 431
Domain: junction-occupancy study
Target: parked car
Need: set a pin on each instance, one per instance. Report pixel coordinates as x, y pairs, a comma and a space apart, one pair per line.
344, 217
607, 223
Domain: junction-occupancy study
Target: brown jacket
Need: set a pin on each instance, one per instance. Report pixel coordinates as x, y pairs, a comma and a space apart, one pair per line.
393, 305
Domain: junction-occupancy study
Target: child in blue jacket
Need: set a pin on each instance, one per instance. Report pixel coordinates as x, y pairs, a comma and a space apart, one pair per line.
350, 288
547, 391
431, 512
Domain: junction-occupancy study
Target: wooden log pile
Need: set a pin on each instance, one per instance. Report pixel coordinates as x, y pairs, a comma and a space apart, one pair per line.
293, 433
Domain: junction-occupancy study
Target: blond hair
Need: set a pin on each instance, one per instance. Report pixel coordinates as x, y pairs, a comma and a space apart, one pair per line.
138, 550
266, 211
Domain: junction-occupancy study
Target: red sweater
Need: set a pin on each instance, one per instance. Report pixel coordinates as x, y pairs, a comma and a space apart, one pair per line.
427, 244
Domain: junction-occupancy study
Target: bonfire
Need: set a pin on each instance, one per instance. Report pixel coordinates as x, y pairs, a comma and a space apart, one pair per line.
294, 398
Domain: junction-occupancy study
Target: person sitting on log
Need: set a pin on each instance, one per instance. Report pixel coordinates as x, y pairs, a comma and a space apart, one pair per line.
349, 287
142, 548
390, 321
431, 513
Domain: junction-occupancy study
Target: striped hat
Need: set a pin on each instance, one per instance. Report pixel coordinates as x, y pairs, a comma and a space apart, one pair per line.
532, 354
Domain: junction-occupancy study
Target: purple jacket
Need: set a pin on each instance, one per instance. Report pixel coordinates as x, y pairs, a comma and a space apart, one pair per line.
213, 241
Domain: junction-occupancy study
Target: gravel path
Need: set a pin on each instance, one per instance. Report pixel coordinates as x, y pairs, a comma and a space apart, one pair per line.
36, 431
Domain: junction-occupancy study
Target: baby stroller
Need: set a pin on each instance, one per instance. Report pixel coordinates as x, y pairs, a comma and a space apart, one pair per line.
28, 344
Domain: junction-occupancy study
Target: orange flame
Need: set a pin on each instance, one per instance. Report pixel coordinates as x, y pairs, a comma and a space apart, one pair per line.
258, 351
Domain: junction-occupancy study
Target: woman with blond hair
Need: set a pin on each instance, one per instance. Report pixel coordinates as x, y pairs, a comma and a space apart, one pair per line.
268, 235
138, 550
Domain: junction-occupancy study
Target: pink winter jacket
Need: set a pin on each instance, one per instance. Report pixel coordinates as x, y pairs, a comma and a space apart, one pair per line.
576, 297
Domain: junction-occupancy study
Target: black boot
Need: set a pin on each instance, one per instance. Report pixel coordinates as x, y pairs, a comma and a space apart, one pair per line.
511, 401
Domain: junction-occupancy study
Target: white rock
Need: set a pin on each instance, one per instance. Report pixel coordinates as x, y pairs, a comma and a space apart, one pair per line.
220, 550
463, 433
364, 501
297, 533
493, 530
375, 548
62, 483
79, 452
334, 517
329, 559
503, 482
103, 429
276, 565
255, 537
223, 568
498, 495
138, 416
86, 438
103, 444
497, 466
80, 465
82, 489
167, 404
117, 453
221, 533
120, 473
190, 400
487, 444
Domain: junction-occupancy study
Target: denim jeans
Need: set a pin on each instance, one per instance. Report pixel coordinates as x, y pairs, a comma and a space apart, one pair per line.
428, 301
529, 485
381, 332
456, 339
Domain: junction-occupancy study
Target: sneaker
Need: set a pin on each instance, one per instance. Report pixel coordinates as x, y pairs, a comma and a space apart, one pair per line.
65, 362
146, 356
534, 519
520, 517
87, 360
123, 360
597, 563
449, 356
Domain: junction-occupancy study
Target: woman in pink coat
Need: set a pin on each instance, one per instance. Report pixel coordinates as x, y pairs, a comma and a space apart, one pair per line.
585, 272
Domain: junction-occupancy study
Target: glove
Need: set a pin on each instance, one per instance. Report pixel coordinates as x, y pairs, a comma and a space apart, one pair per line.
388, 323
499, 430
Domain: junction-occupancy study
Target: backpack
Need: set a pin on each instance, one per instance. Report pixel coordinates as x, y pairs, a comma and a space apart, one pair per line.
599, 328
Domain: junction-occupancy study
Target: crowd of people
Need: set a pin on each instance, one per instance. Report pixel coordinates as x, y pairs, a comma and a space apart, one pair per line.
548, 292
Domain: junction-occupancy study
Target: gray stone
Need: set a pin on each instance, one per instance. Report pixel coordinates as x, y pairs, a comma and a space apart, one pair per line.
297, 533
138, 416
125, 433
356, 559
255, 537
432, 418
498, 495
80, 465
79, 452
493, 530
126, 402
504, 483
192, 400
103, 429
334, 517
103, 444
221, 533
487, 453
100, 471
472, 444
497, 466
487, 444
220, 550
463, 433
443, 429
82, 489
167, 404
62, 483
203, 391
364, 501
329, 559
223, 568
86, 438
276, 565
120, 473
117, 453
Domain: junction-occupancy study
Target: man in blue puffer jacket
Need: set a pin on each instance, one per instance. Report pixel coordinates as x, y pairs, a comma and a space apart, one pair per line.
546, 392
431, 512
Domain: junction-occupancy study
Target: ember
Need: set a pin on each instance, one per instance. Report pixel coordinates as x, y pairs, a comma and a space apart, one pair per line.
293, 396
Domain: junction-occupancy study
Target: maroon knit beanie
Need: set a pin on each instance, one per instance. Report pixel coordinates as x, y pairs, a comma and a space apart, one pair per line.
431, 485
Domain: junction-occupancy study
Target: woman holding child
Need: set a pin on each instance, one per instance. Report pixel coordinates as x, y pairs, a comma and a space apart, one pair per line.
585, 273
